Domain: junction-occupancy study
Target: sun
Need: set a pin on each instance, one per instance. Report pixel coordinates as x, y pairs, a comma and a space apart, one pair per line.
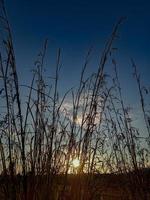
76, 163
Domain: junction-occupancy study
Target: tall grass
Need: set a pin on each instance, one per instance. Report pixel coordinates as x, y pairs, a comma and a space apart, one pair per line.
39, 143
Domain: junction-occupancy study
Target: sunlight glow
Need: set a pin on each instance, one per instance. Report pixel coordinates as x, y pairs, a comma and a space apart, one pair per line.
76, 163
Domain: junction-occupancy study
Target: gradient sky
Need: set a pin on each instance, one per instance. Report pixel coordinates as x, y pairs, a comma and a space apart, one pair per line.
74, 26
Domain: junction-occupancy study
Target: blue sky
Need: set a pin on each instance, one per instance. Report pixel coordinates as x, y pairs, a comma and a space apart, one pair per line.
76, 25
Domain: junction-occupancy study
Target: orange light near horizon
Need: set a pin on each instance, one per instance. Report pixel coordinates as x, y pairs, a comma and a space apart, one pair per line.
76, 163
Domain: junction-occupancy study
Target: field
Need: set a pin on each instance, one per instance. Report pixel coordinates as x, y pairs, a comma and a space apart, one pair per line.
80, 145
100, 187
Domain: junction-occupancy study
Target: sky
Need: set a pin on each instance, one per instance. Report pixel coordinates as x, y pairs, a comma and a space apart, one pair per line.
74, 26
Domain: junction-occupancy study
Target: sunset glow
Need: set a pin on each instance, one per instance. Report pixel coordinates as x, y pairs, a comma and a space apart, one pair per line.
76, 163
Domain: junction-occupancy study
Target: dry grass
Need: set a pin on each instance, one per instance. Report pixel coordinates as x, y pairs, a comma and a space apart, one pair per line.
38, 144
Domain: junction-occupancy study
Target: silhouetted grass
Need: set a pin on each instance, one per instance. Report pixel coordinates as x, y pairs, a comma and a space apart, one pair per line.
38, 144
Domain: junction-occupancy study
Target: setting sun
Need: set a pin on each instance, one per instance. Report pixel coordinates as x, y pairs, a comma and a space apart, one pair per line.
76, 163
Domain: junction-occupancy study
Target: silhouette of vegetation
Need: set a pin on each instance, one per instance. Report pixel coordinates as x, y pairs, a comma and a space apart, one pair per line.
91, 150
